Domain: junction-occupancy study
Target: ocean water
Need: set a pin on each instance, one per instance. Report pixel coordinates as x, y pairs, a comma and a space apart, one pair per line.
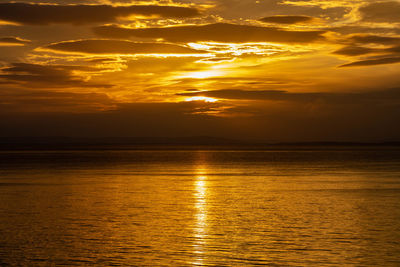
282, 207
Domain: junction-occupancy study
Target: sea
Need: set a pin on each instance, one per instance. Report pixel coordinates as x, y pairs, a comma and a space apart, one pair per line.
289, 206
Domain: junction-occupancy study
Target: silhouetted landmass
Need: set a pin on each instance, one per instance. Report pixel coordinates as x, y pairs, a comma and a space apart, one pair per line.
201, 142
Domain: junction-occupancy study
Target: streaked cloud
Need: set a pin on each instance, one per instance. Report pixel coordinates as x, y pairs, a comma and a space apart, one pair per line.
29, 101
120, 47
36, 75
360, 50
218, 32
13, 41
373, 62
42, 14
282, 19
373, 39
354, 28
356, 51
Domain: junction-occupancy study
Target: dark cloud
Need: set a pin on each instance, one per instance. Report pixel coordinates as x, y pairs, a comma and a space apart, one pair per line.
136, 119
372, 62
13, 100
355, 51
381, 12
120, 47
13, 41
298, 121
251, 9
373, 39
281, 19
42, 14
394, 49
218, 32
356, 29
35, 75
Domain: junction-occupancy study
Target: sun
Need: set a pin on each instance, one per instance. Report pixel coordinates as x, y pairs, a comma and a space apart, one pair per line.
201, 98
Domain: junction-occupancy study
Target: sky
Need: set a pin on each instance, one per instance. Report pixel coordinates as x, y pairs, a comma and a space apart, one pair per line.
265, 70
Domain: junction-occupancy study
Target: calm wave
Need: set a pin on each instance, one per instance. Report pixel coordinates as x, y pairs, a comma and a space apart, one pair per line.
187, 208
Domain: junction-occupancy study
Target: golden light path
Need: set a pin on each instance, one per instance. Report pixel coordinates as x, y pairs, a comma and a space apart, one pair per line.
201, 220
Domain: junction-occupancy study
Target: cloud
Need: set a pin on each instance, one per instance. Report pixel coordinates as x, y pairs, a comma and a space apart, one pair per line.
381, 12
17, 100
358, 29
35, 75
355, 51
373, 39
281, 19
251, 9
13, 41
394, 49
120, 47
43, 14
372, 62
218, 32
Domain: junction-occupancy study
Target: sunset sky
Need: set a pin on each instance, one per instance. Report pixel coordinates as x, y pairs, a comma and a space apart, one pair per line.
270, 70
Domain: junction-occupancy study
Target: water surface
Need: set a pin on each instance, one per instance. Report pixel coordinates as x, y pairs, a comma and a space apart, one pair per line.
188, 208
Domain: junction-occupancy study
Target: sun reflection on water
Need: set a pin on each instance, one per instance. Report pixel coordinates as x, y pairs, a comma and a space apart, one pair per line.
201, 223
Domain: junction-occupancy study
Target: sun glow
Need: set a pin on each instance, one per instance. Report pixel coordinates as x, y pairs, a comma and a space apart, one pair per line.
202, 74
201, 98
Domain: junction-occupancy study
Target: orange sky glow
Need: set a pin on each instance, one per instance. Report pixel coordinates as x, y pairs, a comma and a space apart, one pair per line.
271, 70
